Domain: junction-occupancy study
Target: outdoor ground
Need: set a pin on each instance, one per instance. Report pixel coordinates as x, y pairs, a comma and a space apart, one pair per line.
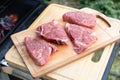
103, 7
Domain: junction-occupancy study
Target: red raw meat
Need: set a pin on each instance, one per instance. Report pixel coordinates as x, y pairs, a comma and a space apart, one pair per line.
80, 18
53, 31
39, 50
81, 37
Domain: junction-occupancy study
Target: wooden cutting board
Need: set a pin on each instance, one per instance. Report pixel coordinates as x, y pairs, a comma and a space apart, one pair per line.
65, 55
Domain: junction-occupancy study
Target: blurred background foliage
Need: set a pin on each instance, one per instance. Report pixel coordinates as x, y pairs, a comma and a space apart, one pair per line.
110, 8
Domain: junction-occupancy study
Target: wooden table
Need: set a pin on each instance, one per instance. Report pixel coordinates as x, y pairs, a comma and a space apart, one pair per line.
82, 69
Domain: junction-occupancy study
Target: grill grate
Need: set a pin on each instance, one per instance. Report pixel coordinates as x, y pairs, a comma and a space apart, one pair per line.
27, 11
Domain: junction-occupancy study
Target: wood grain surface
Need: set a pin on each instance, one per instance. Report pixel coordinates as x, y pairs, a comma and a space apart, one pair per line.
104, 30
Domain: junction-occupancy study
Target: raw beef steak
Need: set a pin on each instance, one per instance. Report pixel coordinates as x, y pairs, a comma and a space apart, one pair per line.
80, 18
39, 50
52, 31
81, 37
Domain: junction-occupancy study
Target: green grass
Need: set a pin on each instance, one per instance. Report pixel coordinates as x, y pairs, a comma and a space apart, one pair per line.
97, 55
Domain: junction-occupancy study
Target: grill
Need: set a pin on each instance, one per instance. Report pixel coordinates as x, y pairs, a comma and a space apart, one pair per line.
16, 15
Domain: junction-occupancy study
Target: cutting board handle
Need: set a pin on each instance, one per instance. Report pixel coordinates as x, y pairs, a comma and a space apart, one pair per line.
105, 19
